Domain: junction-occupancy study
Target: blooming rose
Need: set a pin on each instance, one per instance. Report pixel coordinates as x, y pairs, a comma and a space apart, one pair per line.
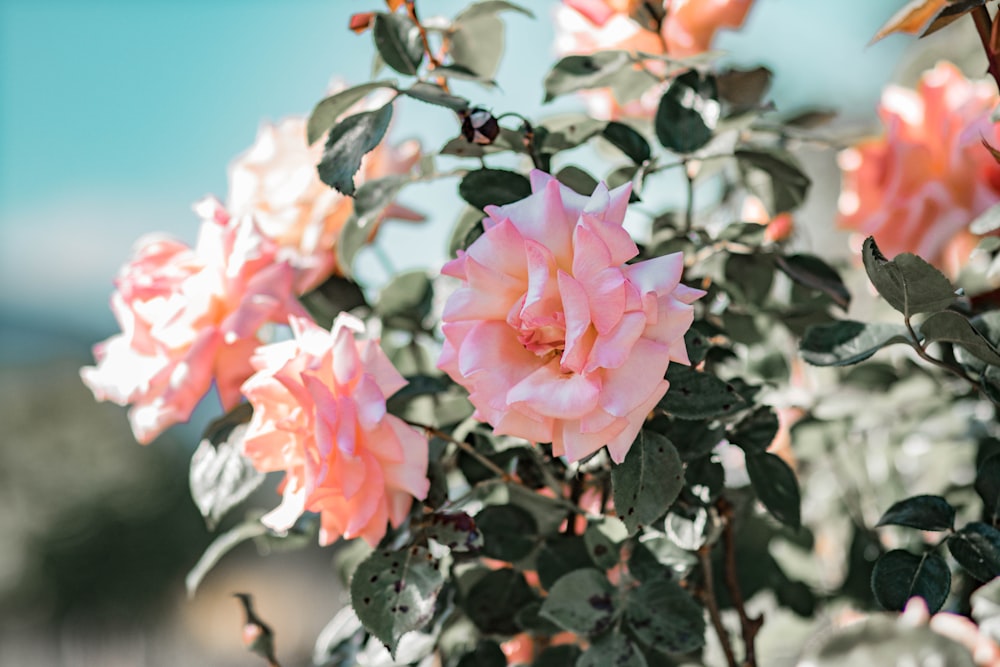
320, 416
555, 337
687, 29
189, 316
917, 188
276, 182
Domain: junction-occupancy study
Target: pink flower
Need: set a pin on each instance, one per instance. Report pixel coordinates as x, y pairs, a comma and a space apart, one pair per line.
189, 316
687, 29
276, 182
917, 188
320, 416
555, 337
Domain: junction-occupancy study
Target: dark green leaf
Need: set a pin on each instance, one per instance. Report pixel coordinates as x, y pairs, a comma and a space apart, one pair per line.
847, 342
601, 548
775, 176
467, 229
776, 487
811, 271
648, 481
907, 283
405, 300
394, 592
455, 530
477, 43
325, 114
493, 602
949, 326
509, 532
397, 39
335, 295
696, 395
564, 655
628, 141
221, 476
687, 113
435, 94
756, 431
744, 89
486, 654
463, 73
560, 555
665, 617
574, 73
988, 486
577, 179
348, 142
565, 131
900, 575
582, 602
923, 512
750, 277
489, 7
614, 649
493, 186
976, 547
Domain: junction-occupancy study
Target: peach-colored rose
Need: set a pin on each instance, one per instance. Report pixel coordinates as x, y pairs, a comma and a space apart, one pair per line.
555, 337
688, 28
189, 316
276, 182
917, 188
320, 416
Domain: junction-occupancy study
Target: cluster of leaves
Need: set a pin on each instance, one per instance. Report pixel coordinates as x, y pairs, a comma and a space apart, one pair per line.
634, 560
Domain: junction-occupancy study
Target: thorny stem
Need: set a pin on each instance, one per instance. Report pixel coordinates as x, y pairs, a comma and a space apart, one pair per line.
749, 626
465, 447
957, 372
985, 28
708, 597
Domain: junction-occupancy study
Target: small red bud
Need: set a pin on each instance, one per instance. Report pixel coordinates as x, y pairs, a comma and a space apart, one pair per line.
361, 22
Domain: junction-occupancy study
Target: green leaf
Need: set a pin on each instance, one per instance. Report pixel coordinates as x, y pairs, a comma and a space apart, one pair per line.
988, 486
486, 654
493, 186
463, 73
613, 649
976, 547
405, 301
750, 276
348, 142
370, 201
907, 283
219, 547
665, 617
577, 179
398, 41
560, 555
952, 327
900, 575
582, 602
564, 655
509, 532
467, 229
883, 640
573, 73
987, 222
494, 600
696, 395
325, 114
648, 481
687, 113
775, 176
744, 89
776, 487
847, 342
221, 476
435, 94
566, 131
335, 295
394, 592
490, 7
922, 512
477, 43
813, 272
455, 530
756, 431
628, 141
600, 546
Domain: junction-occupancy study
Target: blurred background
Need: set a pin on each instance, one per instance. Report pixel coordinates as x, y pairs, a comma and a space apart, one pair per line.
115, 116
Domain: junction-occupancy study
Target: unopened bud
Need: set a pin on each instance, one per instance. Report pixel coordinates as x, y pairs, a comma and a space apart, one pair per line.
361, 22
480, 127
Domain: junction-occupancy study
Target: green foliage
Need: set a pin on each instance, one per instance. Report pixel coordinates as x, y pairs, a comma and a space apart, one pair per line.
923, 512
628, 141
900, 575
483, 187
776, 486
696, 395
574, 73
848, 342
647, 481
976, 547
687, 113
397, 39
775, 176
907, 283
583, 601
348, 142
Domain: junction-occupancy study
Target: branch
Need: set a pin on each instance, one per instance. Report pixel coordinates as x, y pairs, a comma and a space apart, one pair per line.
411, 9
708, 598
985, 27
953, 370
749, 626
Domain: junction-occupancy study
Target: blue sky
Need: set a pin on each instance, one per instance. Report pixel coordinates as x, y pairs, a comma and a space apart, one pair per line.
116, 115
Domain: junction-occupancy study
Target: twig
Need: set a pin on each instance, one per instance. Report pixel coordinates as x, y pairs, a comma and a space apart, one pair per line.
708, 597
957, 372
411, 9
748, 626
984, 26
465, 447
689, 210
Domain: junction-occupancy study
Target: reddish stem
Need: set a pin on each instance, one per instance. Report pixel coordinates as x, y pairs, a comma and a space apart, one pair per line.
988, 36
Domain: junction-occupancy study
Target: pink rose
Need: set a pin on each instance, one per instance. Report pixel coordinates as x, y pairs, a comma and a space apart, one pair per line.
320, 416
555, 337
917, 188
691, 25
276, 182
189, 316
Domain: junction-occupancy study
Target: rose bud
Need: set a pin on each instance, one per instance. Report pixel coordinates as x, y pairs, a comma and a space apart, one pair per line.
480, 127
